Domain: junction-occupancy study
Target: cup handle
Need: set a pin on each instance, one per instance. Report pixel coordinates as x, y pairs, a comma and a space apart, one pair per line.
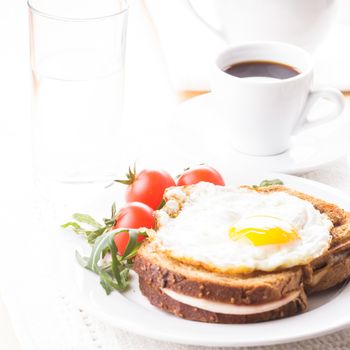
216, 31
332, 94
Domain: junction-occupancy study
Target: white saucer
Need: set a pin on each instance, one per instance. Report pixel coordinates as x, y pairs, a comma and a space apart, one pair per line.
198, 136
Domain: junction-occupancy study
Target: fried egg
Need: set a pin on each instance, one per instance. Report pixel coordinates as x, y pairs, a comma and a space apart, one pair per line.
240, 230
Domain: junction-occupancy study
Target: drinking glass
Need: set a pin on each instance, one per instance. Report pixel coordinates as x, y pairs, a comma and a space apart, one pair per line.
77, 59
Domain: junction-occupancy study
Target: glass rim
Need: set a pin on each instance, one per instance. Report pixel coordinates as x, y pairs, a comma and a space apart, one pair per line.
76, 19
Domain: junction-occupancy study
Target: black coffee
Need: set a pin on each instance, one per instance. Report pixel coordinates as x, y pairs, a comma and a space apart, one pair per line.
266, 69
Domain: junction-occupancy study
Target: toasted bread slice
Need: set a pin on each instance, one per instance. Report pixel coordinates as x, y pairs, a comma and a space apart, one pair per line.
198, 294
157, 273
333, 267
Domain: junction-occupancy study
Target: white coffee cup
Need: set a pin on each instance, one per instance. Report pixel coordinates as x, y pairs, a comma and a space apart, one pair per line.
263, 114
300, 22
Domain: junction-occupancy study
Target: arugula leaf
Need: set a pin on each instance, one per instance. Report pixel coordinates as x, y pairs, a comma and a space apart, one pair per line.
83, 261
87, 219
114, 273
72, 224
95, 229
106, 285
133, 245
161, 205
116, 264
266, 183
114, 211
104, 260
75, 227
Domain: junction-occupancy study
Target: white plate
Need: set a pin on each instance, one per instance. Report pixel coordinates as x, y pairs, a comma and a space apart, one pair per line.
199, 136
328, 312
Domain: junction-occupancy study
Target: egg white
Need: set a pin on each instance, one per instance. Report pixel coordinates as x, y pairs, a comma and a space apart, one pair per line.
194, 227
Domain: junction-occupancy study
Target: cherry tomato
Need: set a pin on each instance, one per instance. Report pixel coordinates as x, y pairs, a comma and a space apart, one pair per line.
199, 173
147, 186
132, 215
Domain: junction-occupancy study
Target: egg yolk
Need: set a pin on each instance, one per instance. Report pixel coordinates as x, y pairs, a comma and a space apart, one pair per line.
264, 230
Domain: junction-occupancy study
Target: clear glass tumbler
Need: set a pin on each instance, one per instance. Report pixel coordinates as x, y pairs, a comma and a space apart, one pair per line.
77, 59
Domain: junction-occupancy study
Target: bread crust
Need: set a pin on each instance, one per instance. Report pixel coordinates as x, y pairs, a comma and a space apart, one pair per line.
164, 302
157, 270
160, 271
